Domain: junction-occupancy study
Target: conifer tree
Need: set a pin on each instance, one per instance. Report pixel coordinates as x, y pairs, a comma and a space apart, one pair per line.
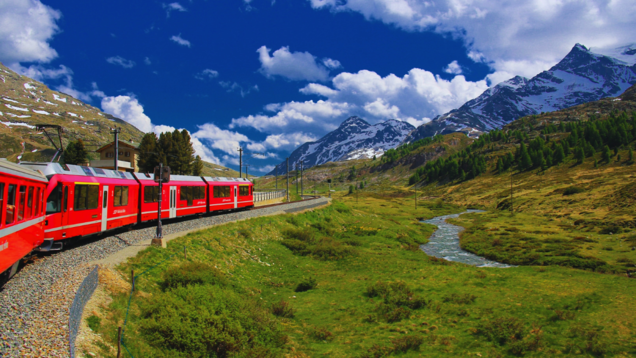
525, 160
631, 155
148, 158
559, 155
579, 154
197, 166
75, 153
500, 166
606, 154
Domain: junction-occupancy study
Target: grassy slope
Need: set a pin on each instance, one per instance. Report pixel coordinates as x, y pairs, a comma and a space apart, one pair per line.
93, 128
550, 311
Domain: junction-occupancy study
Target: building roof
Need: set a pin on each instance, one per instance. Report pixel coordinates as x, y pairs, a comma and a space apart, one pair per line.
125, 143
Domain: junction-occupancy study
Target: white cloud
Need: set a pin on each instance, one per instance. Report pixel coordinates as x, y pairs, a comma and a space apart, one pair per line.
235, 87
288, 140
147, 61
26, 27
295, 66
227, 141
379, 108
501, 32
264, 169
207, 74
128, 109
295, 115
120, 61
332, 64
175, 6
453, 68
181, 41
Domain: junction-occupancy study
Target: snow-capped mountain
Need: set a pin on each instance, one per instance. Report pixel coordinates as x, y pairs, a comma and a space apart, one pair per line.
582, 76
354, 139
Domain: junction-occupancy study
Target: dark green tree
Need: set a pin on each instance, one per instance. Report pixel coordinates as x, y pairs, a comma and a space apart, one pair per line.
197, 166
525, 161
579, 154
559, 154
606, 154
630, 154
148, 158
75, 153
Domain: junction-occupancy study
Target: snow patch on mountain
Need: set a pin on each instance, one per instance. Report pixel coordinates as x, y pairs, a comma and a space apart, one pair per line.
353, 139
581, 76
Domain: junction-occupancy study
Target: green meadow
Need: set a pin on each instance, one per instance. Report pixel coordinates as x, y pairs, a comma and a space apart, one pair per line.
349, 280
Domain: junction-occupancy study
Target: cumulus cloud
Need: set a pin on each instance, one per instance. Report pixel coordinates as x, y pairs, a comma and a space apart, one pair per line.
120, 61
294, 114
502, 33
264, 169
207, 74
26, 27
129, 109
147, 61
222, 139
453, 68
175, 6
181, 41
295, 66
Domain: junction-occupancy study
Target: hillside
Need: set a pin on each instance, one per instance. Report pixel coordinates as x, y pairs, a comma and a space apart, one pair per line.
25, 103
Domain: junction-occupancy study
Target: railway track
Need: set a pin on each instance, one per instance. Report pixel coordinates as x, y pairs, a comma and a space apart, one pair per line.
34, 304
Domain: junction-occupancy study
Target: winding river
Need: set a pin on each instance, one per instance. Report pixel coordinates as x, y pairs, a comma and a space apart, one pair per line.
444, 243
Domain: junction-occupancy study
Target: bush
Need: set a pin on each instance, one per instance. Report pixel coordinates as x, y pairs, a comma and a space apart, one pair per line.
301, 234
283, 309
194, 321
573, 190
407, 343
329, 249
398, 299
306, 285
94, 323
321, 334
502, 330
191, 273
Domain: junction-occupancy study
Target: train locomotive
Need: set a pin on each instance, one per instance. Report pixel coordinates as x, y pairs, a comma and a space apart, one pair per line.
44, 206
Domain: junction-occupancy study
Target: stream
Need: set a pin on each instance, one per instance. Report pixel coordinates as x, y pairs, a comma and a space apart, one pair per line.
444, 243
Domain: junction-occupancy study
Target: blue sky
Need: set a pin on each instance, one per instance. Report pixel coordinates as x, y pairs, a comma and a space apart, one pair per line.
271, 74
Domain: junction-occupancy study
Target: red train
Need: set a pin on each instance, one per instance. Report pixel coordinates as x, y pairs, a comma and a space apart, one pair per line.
83, 201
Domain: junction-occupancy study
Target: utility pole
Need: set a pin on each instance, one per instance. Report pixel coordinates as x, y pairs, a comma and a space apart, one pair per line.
302, 162
287, 170
246, 175
296, 166
277, 177
415, 187
116, 132
240, 162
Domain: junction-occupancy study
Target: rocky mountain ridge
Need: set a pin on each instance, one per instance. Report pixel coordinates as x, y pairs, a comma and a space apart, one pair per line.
582, 76
353, 139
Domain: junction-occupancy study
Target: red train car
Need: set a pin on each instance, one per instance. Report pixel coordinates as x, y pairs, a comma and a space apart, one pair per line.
21, 214
229, 193
183, 195
83, 201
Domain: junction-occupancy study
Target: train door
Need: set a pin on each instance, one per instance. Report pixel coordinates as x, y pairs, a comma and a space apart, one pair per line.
173, 201
65, 209
105, 208
235, 197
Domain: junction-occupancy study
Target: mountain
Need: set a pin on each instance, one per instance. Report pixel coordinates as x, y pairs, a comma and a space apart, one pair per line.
353, 139
25, 103
582, 76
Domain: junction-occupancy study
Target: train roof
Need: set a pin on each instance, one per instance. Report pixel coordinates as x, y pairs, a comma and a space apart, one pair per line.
173, 177
50, 169
226, 180
19, 170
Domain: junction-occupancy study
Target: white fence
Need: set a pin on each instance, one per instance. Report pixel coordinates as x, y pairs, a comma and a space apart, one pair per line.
268, 195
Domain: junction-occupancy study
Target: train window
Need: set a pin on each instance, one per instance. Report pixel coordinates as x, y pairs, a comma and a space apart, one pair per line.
86, 197
221, 192
29, 202
10, 217
200, 193
65, 199
21, 203
1, 199
37, 199
53, 201
244, 190
121, 196
151, 194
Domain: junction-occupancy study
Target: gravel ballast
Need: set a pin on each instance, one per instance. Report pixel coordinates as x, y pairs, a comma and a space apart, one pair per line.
35, 303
